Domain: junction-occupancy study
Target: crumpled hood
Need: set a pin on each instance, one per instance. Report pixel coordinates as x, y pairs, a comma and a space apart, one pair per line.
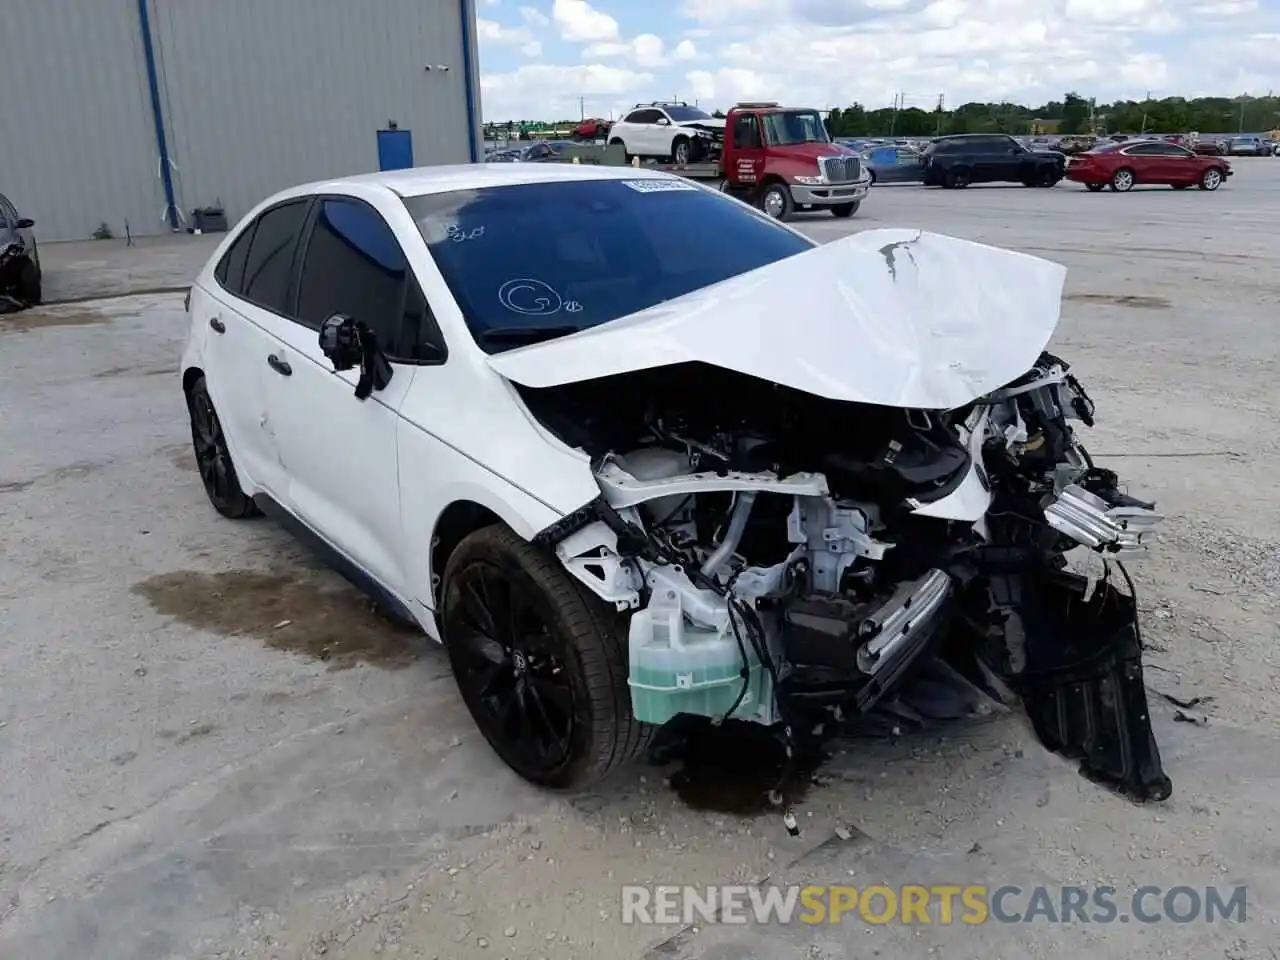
707, 123
893, 317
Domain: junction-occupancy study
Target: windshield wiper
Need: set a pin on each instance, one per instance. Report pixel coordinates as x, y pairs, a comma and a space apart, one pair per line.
517, 336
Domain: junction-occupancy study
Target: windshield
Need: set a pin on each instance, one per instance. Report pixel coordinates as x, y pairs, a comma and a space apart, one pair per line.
533, 261
685, 114
788, 127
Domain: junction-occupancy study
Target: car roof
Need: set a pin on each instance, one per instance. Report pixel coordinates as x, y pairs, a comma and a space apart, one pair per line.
422, 181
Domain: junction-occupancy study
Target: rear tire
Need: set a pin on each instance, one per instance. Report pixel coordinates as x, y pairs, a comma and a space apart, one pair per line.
625, 156
213, 457
958, 178
845, 210
1122, 180
548, 689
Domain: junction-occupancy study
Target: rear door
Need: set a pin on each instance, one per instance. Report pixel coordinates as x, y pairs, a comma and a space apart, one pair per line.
252, 285
339, 452
1147, 162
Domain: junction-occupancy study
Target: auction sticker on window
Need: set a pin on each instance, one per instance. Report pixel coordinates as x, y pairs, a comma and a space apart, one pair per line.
657, 186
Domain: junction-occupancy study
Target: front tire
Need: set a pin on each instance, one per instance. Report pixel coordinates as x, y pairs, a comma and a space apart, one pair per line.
776, 202
845, 210
213, 457
541, 663
1211, 179
30, 286
958, 179
680, 151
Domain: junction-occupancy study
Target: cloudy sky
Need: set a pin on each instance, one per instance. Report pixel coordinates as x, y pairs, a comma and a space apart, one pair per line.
538, 57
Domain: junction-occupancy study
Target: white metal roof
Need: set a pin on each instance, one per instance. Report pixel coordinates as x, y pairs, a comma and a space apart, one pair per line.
419, 181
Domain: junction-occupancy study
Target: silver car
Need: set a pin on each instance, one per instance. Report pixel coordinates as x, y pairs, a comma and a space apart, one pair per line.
893, 164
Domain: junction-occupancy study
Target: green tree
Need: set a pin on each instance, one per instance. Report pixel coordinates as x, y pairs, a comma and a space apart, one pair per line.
718, 114
1073, 114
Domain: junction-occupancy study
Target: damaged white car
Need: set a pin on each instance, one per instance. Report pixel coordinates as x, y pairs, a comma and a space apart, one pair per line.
634, 451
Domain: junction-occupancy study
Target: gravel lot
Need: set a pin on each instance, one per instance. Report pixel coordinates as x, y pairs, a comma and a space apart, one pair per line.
210, 747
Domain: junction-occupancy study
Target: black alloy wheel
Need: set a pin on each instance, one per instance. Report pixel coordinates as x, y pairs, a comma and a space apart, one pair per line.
508, 670
213, 457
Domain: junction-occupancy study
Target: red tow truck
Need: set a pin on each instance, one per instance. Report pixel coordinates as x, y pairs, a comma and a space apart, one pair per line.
782, 159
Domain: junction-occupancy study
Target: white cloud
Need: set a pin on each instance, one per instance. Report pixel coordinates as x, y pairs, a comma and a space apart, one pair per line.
490, 31
579, 22
833, 52
534, 17
646, 50
531, 49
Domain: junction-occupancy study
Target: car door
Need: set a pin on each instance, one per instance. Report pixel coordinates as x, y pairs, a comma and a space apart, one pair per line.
338, 452
648, 138
1146, 162
252, 286
908, 166
748, 150
1182, 166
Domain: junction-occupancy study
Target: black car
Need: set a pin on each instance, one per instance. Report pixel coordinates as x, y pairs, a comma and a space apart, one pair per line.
19, 258
966, 158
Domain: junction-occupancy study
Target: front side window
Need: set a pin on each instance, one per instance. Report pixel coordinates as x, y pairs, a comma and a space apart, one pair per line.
269, 262
788, 127
530, 262
354, 265
746, 132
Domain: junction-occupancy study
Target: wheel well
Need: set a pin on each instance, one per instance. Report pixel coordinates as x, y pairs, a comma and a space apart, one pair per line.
189, 378
460, 519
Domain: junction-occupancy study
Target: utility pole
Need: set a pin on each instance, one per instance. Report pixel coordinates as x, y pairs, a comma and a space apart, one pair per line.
1093, 124
941, 101
1144, 112
893, 120
1242, 99
582, 108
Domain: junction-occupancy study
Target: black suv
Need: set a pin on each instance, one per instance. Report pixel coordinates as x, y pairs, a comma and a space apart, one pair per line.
966, 158
19, 259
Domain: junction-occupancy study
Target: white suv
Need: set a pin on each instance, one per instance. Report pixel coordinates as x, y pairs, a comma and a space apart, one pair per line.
669, 131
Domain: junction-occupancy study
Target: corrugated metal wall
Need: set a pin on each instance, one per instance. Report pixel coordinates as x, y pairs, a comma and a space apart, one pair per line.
257, 96
77, 143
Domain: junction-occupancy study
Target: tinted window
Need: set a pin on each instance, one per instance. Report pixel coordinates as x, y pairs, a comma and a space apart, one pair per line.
746, 131
644, 116
7, 211
566, 256
269, 264
1144, 150
230, 270
354, 265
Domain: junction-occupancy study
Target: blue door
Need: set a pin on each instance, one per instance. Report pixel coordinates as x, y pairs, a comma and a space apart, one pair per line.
395, 150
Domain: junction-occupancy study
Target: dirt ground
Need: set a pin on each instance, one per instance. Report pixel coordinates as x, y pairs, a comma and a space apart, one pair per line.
212, 747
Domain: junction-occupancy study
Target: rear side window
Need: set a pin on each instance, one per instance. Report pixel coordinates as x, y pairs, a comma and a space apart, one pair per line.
354, 265
230, 269
269, 264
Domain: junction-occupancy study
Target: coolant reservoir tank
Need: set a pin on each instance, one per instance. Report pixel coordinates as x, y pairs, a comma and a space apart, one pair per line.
656, 463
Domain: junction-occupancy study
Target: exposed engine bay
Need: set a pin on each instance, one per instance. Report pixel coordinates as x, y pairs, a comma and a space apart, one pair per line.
786, 559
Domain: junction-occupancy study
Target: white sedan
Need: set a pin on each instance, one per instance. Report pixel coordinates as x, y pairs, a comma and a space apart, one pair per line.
632, 451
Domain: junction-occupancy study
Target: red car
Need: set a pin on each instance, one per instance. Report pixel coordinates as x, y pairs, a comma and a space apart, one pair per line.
1121, 166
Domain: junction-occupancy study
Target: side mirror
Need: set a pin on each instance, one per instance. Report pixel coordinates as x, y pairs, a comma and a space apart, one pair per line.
25, 223
348, 343
664, 122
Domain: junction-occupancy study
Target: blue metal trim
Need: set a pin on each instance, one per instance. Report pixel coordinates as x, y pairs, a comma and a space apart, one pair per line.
153, 82
473, 124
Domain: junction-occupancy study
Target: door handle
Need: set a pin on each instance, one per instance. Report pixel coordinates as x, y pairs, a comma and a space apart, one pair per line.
217, 325
279, 366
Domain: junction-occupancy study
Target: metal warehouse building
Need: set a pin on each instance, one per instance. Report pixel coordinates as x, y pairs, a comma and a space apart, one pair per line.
139, 111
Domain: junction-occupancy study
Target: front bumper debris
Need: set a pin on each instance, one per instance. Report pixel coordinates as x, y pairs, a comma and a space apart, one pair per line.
1120, 532
1083, 686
